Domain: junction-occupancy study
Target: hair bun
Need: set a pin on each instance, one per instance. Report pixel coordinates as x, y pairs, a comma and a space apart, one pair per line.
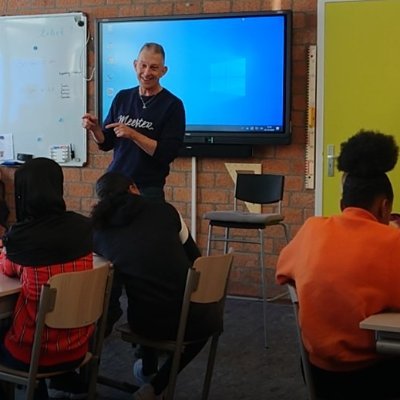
368, 153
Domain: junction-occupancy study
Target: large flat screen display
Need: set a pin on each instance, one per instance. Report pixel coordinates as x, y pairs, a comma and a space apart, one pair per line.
232, 71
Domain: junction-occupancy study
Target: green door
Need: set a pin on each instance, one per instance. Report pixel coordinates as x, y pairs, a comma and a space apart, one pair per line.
358, 85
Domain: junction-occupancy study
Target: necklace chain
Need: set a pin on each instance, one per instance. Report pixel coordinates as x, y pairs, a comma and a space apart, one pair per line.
147, 102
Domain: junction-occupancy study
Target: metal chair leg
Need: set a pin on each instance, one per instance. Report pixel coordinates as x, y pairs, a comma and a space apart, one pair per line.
226, 241
210, 367
262, 267
285, 228
209, 239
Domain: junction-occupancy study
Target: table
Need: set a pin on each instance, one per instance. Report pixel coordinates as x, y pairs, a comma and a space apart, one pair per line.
387, 331
10, 288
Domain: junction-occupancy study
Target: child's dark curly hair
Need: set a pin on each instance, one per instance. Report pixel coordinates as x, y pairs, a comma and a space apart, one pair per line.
365, 158
368, 153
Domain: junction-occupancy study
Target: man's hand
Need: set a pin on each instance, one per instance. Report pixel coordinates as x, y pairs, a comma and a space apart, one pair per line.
122, 130
147, 144
91, 122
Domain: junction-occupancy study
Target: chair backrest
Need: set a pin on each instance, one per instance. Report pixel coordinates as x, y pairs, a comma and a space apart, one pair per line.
213, 278
212, 271
79, 298
303, 352
259, 188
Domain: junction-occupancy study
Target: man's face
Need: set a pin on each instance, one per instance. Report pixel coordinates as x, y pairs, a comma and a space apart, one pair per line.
149, 69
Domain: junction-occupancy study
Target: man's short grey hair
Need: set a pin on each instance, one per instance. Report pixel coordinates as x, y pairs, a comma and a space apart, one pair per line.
157, 48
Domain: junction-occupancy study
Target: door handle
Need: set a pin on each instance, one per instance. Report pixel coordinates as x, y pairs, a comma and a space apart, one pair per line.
331, 159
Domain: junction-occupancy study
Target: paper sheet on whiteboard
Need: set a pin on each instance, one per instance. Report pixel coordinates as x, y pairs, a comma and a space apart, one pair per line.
6, 147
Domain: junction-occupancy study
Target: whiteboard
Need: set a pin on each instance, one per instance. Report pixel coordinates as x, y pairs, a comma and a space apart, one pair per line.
43, 87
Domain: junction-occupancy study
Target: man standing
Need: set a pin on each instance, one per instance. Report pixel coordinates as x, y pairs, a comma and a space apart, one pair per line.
145, 126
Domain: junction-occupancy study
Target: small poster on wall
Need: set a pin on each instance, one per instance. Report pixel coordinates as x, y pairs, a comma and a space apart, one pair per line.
6, 147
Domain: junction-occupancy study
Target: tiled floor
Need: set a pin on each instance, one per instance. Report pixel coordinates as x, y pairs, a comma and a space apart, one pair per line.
244, 369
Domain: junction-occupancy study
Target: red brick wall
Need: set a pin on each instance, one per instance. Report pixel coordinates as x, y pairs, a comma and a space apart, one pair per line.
214, 186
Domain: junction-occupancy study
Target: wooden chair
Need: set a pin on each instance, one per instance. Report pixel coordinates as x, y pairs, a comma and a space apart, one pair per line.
68, 300
264, 189
303, 352
206, 283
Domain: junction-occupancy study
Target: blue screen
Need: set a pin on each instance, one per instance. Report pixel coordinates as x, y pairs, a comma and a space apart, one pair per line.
230, 72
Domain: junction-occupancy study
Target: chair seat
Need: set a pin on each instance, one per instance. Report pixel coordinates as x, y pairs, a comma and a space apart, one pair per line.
243, 217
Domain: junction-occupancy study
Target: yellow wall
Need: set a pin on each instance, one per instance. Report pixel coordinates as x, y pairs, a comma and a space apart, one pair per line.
361, 79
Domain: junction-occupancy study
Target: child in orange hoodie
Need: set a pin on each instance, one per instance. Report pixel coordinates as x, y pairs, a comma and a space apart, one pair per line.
345, 268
